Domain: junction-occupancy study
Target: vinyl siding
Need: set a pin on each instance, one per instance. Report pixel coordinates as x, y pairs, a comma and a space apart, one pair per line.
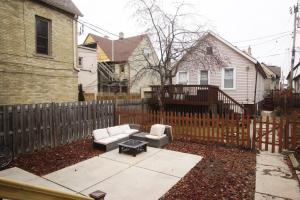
245, 74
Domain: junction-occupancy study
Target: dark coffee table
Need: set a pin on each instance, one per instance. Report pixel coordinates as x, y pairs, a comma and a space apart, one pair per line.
132, 147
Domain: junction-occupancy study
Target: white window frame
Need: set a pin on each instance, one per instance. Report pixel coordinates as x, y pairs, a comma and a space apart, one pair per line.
199, 76
234, 78
187, 76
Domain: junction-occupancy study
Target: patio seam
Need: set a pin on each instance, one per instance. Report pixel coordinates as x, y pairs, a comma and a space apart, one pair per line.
120, 170
272, 195
161, 172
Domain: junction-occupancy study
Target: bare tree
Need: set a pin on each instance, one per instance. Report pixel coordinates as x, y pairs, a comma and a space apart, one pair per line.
173, 37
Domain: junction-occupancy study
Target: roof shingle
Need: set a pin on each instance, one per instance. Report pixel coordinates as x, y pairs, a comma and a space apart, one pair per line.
65, 5
123, 48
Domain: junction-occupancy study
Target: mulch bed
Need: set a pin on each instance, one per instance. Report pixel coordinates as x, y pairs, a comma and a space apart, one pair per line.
223, 173
50, 160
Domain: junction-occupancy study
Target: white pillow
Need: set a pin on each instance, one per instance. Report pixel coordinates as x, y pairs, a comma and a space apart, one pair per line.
114, 130
157, 129
125, 127
100, 134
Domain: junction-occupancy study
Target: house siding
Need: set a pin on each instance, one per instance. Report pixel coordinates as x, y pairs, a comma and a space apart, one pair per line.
245, 74
24, 76
88, 74
136, 62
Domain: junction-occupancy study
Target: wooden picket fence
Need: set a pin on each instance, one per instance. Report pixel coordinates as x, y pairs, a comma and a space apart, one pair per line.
230, 130
28, 128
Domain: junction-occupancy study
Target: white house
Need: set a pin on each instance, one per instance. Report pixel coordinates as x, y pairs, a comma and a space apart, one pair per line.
241, 76
88, 74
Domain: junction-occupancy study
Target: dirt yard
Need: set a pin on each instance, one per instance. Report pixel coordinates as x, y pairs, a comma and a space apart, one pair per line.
223, 173
50, 160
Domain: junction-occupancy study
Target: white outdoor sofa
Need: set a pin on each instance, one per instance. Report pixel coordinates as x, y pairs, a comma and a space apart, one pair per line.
108, 138
159, 136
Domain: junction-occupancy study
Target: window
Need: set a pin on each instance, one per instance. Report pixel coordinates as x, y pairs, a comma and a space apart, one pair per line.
203, 77
80, 59
122, 68
146, 53
182, 78
229, 78
42, 26
209, 51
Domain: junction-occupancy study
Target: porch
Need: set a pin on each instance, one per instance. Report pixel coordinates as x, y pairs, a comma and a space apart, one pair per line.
207, 97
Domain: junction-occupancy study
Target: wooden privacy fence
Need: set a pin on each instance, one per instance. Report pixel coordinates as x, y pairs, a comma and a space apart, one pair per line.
194, 128
271, 135
27, 128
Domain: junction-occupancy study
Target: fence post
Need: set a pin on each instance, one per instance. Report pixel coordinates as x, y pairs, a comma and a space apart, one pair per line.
253, 133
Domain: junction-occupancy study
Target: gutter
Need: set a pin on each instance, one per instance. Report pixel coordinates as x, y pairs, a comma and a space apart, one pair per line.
255, 92
75, 44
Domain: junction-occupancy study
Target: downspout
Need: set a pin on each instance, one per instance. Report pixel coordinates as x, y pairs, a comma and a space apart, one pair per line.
75, 43
255, 110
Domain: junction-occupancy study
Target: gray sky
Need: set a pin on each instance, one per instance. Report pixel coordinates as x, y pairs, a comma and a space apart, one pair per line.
234, 20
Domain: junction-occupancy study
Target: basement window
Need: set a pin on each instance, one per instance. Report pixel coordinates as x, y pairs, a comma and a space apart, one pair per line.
42, 27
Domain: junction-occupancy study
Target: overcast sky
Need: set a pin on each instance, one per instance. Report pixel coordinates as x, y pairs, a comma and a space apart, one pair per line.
234, 20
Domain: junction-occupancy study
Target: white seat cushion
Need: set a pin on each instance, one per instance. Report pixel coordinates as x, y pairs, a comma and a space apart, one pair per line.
122, 135
99, 134
131, 131
125, 127
107, 140
114, 130
157, 129
154, 137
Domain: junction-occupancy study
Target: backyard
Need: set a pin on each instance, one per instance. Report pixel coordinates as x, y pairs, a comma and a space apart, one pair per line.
223, 173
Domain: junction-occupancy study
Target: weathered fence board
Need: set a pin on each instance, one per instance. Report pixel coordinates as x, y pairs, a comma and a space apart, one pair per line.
270, 135
28, 128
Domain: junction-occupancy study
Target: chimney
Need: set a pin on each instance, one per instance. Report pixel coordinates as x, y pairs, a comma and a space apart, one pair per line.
249, 51
121, 36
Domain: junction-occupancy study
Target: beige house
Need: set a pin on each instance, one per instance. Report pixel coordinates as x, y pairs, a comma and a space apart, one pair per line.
272, 81
241, 76
120, 62
87, 65
38, 51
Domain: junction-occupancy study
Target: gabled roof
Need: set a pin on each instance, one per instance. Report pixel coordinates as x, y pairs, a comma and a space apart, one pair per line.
275, 69
245, 55
65, 5
123, 48
268, 72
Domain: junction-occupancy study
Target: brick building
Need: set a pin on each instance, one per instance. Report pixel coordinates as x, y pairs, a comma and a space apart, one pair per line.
38, 51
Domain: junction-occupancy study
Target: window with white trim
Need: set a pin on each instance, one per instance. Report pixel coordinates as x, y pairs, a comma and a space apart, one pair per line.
228, 78
182, 78
203, 77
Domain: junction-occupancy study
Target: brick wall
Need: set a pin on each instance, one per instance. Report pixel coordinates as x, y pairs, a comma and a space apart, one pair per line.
26, 77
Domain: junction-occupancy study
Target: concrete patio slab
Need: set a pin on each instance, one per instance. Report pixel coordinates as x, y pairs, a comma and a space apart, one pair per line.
147, 176
18, 174
274, 178
84, 174
259, 196
265, 158
170, 162
125, 158
135, 184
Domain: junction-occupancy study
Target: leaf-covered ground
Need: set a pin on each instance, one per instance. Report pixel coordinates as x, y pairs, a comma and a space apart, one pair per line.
223, 173
50, 160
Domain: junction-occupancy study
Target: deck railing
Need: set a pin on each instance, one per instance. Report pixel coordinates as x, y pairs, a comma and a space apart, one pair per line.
198, 95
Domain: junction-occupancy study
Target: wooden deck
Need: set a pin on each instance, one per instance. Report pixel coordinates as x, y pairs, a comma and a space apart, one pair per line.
198, 95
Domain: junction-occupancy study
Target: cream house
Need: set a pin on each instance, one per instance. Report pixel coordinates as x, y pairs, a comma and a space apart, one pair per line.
241, 76
120, 62
87, 65
38, 42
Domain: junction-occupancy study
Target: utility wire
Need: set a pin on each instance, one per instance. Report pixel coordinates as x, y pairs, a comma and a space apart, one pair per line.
264, 42
259, 38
